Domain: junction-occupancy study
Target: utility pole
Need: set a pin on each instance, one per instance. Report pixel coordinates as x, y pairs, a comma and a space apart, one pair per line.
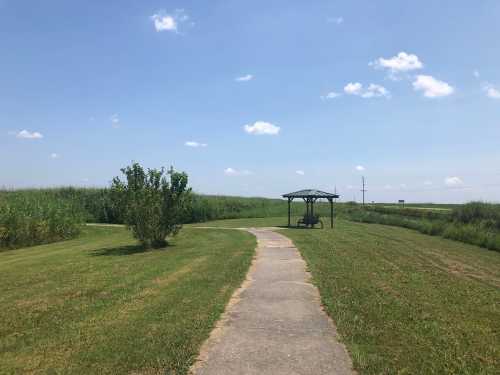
363, 190
335, 192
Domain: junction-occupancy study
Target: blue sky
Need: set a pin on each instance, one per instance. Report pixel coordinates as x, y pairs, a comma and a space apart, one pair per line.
255, 98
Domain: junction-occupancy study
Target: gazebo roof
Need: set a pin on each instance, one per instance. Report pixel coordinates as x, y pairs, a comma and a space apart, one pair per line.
310, 193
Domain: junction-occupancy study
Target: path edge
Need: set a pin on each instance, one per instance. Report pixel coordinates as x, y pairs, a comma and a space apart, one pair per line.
220, 325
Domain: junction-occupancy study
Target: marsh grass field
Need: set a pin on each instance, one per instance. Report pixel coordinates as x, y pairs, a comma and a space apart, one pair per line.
100, 304
403, 301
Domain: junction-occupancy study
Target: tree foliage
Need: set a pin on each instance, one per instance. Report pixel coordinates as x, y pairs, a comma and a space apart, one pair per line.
154, 202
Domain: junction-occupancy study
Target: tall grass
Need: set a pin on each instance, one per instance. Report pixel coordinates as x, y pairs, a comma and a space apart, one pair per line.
33, 216
27, 219
476, 223
99, 207
25, 214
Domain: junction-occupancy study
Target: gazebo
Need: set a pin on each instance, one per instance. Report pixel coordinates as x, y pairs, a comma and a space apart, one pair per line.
310, 196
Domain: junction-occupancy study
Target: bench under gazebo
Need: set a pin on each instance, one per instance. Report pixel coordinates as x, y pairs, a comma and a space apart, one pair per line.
310, 196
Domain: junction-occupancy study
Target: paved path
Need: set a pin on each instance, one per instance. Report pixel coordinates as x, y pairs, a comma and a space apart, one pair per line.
274, 323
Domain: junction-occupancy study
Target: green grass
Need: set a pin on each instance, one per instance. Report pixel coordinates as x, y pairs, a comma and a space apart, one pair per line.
245, 223
100, 305
405, 302
256, 222
475, 223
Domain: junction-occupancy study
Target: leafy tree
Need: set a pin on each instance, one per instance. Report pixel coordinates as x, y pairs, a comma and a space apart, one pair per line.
154, 205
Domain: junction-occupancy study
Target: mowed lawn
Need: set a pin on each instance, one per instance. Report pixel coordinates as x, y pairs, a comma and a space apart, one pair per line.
248, 222
407, 303
100, 305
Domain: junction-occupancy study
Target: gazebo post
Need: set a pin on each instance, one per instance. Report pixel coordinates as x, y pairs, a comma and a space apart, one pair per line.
331, 212
289, 201
307, 206
312, 211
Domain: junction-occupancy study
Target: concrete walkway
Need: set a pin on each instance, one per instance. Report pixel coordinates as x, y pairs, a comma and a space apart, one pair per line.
274, 323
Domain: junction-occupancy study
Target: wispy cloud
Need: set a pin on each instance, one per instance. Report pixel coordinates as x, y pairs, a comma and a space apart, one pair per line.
262, 128
300, 172
115, 121
54, 155
359, 168
236, 172
372, 91
195, 144
476, 73
453, 181
245, 78
330, 95
29, 135
335, 20
432, 87
491, 91
169, 22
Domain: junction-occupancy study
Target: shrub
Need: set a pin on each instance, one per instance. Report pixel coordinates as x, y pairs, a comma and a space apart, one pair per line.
475, 212
154, 207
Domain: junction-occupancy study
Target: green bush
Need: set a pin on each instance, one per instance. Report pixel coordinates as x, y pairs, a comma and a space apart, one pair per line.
154, 207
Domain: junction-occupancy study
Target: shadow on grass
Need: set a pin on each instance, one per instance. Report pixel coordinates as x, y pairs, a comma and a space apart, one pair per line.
301, 227
127, 250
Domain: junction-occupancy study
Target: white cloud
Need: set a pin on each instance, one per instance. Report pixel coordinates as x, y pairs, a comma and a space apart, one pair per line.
336, 20
453, 181
427, 183
353, 88
235, 172
491, 91
54, 156
388, 187
163, 23
195, 144
372, 91
432, 87
375, 91
300, 172
115, 121
402, 186
360, 168
29, 135
169, 22
402, 62
245, 78
476, 74
330, 95
262, 128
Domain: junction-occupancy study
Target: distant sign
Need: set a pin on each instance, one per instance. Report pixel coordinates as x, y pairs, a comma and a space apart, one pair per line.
401, 201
